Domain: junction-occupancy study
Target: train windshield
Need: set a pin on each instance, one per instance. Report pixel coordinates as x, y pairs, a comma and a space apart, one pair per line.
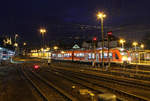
124, 52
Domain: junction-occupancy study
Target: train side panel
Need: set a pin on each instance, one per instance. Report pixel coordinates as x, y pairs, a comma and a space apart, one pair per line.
89, 56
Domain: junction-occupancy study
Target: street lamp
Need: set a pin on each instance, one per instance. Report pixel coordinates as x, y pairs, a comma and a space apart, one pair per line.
16, 44
47, 49
62, 52
42, 49
16, 35
122, 41
101, 16
43, 31
136, 53
142, 46
24, 43
135, 44
24, 49
55, 47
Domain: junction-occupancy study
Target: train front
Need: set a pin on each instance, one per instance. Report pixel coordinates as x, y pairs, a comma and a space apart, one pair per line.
125, 56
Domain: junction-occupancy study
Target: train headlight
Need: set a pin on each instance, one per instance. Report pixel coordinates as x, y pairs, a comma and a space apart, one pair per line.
124, 58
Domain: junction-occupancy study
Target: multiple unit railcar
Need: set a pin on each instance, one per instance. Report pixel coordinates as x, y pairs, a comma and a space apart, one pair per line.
116, 55
6, 54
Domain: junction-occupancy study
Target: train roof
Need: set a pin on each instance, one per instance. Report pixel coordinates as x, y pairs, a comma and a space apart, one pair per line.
83, 49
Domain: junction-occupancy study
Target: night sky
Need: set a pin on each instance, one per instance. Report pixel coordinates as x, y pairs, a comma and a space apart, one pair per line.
25, 17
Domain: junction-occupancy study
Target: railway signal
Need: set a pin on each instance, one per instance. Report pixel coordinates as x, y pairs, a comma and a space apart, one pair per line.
109, 35
94, 39
95, 42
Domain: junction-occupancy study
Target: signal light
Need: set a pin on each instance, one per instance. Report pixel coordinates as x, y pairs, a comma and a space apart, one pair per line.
36, 66
94, 39
109, 33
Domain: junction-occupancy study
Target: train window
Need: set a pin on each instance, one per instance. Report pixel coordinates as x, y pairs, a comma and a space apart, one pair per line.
110, 55
105, 55
79, 54
116, 56
53, 55
59, 55
70, 54
93, 56
67, 55
90, 55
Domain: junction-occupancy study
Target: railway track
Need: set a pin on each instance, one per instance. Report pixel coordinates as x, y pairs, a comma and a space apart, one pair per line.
76, 87
124, 73
129, 73
137, 71
120, 71
105, 85
95, 90
126, 78
46, 90
136, 74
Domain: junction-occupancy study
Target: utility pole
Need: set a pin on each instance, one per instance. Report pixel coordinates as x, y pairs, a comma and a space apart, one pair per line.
101, 16
109, 34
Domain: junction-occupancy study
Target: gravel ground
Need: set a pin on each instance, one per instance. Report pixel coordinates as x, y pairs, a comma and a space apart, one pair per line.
13, 87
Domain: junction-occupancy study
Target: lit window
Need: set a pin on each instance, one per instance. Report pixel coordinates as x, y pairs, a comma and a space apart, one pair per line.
90, 55
93, 56
59, 55
105, 55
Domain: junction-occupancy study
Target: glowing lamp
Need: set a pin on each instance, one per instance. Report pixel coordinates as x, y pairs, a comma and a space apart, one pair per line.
94, 39
36, 66
109, 33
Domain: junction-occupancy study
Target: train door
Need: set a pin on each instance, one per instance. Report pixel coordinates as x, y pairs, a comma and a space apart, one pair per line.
86, 56
97, 57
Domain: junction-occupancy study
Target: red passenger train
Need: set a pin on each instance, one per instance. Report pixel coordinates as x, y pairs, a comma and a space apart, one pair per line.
117, 55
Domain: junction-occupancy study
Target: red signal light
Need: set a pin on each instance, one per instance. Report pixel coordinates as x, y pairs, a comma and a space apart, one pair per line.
94, 39
109, 33
36, 66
